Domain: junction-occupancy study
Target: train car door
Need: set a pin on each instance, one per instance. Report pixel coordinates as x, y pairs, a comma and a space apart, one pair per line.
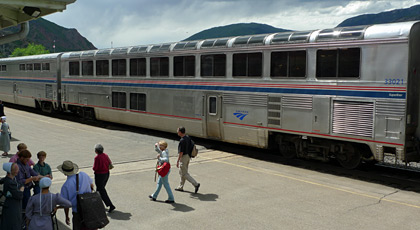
15, 93
213, 115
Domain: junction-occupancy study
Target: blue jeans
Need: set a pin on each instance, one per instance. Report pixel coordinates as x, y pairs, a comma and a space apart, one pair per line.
165, 182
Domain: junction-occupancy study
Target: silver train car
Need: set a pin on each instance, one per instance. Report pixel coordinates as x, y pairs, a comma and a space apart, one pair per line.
346, 93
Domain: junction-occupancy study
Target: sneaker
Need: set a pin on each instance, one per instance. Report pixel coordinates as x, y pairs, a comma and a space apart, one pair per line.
179, 189
112, 208
197, 187
169, 201
151, 197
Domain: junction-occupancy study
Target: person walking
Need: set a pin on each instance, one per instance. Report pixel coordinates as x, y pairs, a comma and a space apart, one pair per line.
163, 156
69, 191
101, 167
41, 205
4, 136
11, 218
184, 156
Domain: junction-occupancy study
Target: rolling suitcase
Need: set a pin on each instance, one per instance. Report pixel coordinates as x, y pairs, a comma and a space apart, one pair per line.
91, 209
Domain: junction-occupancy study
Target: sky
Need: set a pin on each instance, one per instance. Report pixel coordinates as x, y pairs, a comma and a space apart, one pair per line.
119, 23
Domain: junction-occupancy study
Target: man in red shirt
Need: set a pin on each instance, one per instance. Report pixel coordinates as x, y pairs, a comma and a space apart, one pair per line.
101, 167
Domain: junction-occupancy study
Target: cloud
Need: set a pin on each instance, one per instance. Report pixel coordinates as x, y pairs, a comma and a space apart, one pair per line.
136, 22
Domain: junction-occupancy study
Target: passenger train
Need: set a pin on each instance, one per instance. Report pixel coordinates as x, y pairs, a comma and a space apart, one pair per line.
349, 93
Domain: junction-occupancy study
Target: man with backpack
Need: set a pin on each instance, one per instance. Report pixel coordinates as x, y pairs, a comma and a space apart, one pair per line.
184, 155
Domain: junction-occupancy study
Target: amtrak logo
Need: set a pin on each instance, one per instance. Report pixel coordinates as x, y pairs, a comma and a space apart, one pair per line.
240, 114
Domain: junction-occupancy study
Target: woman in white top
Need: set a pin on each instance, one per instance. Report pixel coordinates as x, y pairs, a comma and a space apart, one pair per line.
163, 157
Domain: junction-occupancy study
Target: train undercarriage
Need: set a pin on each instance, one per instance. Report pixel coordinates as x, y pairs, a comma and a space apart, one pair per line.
349, 155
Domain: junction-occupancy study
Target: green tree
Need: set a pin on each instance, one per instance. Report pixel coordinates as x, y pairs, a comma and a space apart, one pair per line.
31, 49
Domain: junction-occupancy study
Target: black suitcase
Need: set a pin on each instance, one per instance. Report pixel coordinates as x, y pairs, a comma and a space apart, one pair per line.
91, 209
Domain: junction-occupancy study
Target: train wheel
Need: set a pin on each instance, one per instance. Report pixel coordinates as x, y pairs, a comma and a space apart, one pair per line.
287, 150
350, 158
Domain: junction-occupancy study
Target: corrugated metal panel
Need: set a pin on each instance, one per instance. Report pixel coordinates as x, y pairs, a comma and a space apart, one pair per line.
353, 118
274, 111
297, 102
245, 99
390, 108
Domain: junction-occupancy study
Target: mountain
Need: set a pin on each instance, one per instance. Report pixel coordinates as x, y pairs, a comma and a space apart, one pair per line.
44, 32
235, 30
400, 15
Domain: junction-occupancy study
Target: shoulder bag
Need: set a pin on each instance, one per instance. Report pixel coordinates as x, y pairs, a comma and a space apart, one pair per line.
91, 208
163, 169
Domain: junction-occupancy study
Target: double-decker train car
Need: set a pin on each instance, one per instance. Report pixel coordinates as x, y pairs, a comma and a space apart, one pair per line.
347, 93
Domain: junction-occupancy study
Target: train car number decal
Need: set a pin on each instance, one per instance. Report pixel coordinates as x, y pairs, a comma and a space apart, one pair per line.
394, 81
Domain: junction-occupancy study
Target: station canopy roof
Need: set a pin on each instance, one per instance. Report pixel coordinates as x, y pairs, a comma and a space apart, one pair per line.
14, 12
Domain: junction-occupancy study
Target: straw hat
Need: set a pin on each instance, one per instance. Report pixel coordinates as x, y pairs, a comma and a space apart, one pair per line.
68, 168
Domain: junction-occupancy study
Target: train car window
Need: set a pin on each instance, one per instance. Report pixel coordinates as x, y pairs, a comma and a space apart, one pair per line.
221, 42
281, 38
247, 65
241, 40
208, 43
184, 66
212, 105
326, 64
45, 66
190, 45
119, 100
300, 36
155, 48
119, 67
37, 66
3, 68
22, 67
139, 49
119, 51
257, 40
87, 68
213, 65
138, 101
165, 47
349, 62
297, 64
138, 67
179, 45
102, 68
74, 67
159, 66
279, 62
338, 63
104, 52
30, 66
288, 64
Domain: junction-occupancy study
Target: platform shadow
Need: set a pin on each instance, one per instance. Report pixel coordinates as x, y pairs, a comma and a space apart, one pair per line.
205, 197
118, 215
182, 207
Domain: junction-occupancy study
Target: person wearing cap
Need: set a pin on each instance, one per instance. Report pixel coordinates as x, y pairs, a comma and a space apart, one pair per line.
41, 205
4, 136
101, 166
12, 207
69, 190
